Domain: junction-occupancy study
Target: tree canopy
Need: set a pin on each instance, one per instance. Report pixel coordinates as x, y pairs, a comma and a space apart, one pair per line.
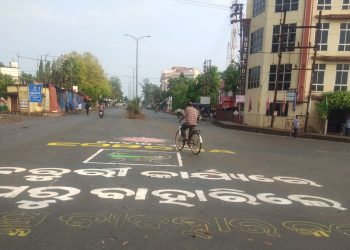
116, 88
231, 77
333, 101
27, 78
184, 89
82, 70
5, 80
151, 93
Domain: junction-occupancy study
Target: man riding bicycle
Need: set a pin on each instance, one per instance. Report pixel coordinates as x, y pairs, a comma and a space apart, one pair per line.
190, 116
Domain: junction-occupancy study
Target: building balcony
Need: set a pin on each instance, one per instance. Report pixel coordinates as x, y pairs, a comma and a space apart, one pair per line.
333, 58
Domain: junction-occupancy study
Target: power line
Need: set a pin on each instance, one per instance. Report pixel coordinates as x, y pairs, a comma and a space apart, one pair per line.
127, 76
221, 38
203, 4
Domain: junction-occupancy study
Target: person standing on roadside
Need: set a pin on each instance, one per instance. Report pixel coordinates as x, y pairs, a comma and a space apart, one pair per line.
296, 125
79, 107
87, 107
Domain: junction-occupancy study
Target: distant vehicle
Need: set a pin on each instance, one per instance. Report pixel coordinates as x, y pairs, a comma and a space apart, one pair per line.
179, 112
149, 106
101, 113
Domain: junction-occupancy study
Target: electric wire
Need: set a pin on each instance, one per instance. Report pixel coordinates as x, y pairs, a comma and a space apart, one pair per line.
221, 38
203, 4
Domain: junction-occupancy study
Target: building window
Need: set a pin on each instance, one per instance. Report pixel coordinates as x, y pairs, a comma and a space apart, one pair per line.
254, 77
318, 82
280, 107
285, 77
344, 39
324, 5
256, 41
323, 37
341, 79
288, 42
286, 5
346, 5
258, 7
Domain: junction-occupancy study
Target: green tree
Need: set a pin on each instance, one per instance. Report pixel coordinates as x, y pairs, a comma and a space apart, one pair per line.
47, 72
179, 93
40, 72
5, 80
85, 72
27, 78
333, 101
2, 65
183, 89
211, 82
151, 93
231, 78
55, 73
116, 86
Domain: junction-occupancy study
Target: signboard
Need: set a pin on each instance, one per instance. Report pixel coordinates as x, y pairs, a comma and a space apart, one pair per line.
35, 92
290, 96
240, 98
75, 88
245, 26
23, 99
205, 100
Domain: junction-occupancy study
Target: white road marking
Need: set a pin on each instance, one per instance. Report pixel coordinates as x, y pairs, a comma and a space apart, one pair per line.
87, 160
179, 159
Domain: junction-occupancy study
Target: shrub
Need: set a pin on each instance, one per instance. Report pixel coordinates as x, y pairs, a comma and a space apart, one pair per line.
4, 108
134, 107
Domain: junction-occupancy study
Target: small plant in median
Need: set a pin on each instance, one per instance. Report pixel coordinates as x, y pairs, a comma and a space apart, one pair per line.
134, 109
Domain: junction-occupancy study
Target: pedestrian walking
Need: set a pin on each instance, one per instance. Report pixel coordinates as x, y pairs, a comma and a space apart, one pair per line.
67, 107
79, 107
87, 107
296, 125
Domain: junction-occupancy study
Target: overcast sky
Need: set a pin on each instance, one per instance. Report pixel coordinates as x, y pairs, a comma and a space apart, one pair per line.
183, 33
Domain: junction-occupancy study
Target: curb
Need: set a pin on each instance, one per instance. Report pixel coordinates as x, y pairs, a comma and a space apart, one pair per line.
280, 132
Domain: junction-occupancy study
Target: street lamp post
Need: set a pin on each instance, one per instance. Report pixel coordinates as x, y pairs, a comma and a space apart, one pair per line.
133, 82
137, 39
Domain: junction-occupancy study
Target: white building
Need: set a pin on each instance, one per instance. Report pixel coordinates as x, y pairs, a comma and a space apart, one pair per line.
13, 71
176, 72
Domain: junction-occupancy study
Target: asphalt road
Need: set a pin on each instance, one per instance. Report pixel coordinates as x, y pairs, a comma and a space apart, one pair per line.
81, 182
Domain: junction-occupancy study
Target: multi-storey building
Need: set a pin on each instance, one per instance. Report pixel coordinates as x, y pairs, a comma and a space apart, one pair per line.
331, 66
176, 72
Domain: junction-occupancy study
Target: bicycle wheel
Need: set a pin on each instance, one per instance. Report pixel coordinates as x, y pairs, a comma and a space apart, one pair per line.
195, 143
179, 142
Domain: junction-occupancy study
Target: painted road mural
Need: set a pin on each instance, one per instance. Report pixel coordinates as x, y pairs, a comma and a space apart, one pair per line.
147, 158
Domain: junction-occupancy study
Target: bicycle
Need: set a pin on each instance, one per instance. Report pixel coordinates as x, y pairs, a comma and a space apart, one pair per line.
194, 140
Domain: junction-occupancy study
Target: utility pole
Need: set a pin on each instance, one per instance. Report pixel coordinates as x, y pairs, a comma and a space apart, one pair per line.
237, 16
44, 89
312, 78
303, 68
206, 78
18, 101
280, 51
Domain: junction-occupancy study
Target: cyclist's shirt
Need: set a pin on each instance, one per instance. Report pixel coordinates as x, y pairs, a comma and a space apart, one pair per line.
191, 115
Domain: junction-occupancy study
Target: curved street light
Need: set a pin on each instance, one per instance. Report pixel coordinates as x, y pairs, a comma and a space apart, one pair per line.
137, 39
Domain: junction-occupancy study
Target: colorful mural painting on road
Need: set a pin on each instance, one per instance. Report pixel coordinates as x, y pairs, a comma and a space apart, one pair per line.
136, 158
125, 145
14, 224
